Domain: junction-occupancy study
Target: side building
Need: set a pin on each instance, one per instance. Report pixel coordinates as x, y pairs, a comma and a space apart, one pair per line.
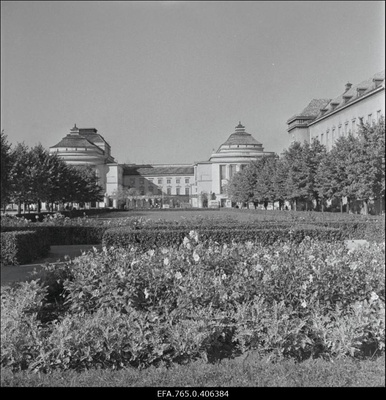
328, 119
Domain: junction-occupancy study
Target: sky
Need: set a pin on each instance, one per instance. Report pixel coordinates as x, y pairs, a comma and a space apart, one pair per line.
168, 81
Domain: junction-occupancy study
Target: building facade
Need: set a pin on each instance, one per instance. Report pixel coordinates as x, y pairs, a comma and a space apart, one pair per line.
329, 119
199, 184
212, 177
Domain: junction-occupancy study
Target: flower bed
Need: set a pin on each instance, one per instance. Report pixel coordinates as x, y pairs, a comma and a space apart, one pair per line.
128, 307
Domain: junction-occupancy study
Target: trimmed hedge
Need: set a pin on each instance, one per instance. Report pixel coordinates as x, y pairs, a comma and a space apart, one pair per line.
150, 238
22, 247
373, 230
65, 235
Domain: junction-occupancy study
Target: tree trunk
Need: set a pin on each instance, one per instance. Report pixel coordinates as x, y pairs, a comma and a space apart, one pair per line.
348, 206
19, 207
341, 205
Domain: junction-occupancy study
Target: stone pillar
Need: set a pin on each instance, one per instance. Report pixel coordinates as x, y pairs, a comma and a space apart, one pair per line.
115, 203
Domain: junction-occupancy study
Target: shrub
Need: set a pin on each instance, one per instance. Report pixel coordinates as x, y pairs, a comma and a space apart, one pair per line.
22, 247
64, 234
20, 326
174, 236
123, 307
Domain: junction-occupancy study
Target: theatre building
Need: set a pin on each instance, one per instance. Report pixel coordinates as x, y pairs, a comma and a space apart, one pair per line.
167, 185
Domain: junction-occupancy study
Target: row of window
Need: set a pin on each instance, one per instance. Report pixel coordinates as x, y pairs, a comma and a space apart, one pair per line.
344, 130
156, 190
160, 181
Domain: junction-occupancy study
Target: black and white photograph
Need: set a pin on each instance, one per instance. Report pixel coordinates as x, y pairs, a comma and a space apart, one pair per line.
192, 196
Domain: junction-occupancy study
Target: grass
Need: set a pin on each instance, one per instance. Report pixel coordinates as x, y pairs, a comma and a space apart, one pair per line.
242, 372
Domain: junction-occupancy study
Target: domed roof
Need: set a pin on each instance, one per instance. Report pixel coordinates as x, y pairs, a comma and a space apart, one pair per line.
240, 137
240, 146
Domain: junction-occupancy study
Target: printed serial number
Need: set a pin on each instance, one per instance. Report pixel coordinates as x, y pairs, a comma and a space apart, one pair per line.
192, 393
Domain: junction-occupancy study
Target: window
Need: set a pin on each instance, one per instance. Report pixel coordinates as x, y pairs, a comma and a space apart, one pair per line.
187, 191
141, 190
369, 119
232, 170
353, 126
346, 128
378, 115
168, 181
186, 180
141, 181
132, 181
339, 130
160, 181
169, 190
177, 191
222, 172
178, 180
321, 138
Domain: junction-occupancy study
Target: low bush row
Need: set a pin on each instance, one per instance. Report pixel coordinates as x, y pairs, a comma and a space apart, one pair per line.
369, 230
147, 238
22, 247
65, 235
120, 307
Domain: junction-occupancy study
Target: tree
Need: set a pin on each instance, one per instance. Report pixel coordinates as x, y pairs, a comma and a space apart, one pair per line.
242, 186
20, 182
298, 181
264, 187
6, 164
368, 168
83, 186
280, 177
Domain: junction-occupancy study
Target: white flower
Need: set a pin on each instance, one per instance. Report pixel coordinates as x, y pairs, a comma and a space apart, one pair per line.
178, 275
146, 293
258, 268
246, 272
311, 258
193, 235
223, 276
353, 266
196, 257
374, 297
311, 278
166, 261
303, 304
186, 241
164, 251
249, 244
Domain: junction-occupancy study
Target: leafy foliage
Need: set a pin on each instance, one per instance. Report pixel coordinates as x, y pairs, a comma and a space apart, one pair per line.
122, 307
